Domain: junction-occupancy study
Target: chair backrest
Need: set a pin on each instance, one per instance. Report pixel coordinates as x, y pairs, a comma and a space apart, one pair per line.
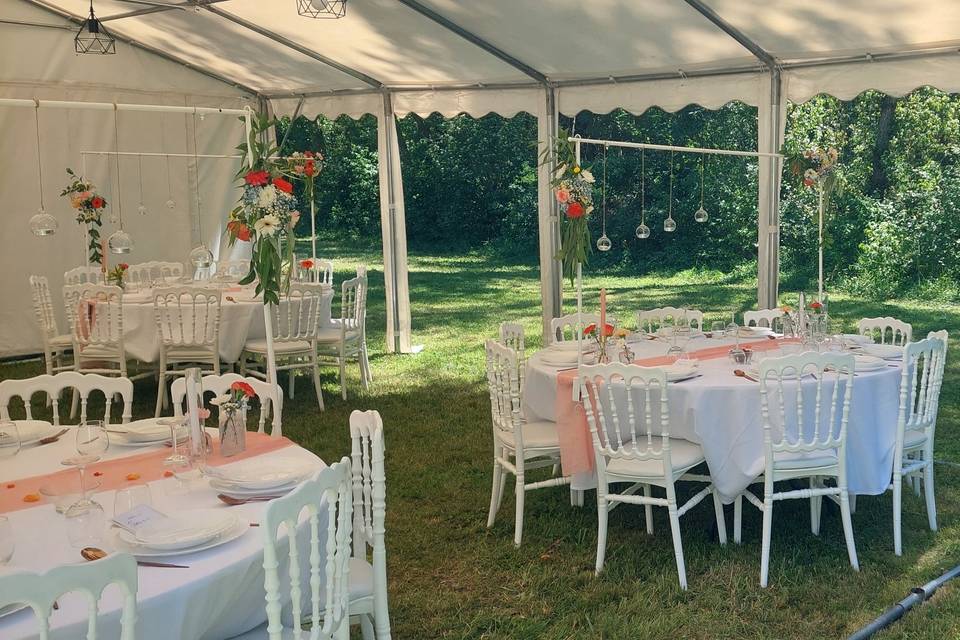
943, 336
369, 483
83, 275
771, 318
564, 328
41, 591
233, 269
297, 316
84, 383
353, 304
95, 312
653, 319
43, 308
511, 335
269, 395
801, 414
187, 316
329, 492
898, 331
628, 412
317, 271
503, 383
361, 271
920, 385
146, 273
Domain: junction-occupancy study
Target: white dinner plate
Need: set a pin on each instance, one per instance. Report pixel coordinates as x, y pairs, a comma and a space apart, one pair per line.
181, 531
559, 359
667, 332
868, 363
143, 553
856, 338
754, 332
234, 491
146, 430
260, 473
32, 431
885, 351
679, 371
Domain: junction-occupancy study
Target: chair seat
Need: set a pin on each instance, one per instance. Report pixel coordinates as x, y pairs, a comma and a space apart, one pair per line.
64, 341
100, 352
536, 435
789, 461
683, 455
361, 586
190, 354
332, 334
295, 346
914, 439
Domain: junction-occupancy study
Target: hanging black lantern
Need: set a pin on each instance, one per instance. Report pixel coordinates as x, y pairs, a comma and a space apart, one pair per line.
322, 8
94, 38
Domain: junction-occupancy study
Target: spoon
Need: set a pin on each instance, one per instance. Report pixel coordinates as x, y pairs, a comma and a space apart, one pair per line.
93, 553
51, 439
237, 501
740, 373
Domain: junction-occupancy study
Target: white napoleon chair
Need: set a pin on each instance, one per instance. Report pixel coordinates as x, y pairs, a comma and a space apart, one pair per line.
323, 508
55, 344
232, 269
368, 581
654, 319
295, 323
269, 396
95, 312
564, 328
770, 318
518, 445
83, 275
920, 385
511, 336
82, 384
347, 339
188, 325
147, 273
320, 273
41, 591
898, 331
629, 416
804, 437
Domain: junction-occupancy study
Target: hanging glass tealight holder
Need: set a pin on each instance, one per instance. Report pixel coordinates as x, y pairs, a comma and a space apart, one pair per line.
120, 242
701, 215
603, 243
643, 231
201, 257
669, 225
43, 224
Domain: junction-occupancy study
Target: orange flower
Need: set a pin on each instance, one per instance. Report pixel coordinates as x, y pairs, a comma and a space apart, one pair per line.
31, 497
133, 476
243, 388
97, 474
11, 486
306, 264
816, 306
283, 185
168, 474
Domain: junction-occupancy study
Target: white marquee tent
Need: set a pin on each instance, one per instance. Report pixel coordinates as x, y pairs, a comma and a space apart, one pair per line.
393, 57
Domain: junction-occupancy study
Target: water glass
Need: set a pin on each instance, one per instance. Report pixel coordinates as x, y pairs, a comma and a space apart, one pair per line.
86, 524
131, 497
92, 439
7, 544
717, 329
9, 439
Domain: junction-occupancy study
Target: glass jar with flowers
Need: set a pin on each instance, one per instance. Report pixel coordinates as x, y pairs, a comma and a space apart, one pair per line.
233, 418
601, 338
116, 275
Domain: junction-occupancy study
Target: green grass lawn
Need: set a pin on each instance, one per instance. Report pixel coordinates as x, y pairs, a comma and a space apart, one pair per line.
452, 578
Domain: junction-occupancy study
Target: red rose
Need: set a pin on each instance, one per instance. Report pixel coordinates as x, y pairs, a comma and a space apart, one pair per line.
816, 305
309, 168
306, 264
243, 233
124, 266
244, 388
308, 154
590, 328
574, 210
608, 329
283, 185
257, 178
97, 202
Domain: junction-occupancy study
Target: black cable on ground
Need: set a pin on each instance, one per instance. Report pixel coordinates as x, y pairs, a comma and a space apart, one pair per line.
918, 595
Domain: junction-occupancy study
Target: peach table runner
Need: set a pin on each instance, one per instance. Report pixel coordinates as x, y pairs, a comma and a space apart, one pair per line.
117, 472
573, 432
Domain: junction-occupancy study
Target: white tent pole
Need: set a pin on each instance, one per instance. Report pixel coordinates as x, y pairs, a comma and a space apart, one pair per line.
313, 229
551, 277
110, 106
667, 147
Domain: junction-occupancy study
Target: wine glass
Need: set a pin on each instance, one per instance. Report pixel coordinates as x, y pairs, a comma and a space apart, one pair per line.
7, 544
175, 424
9, 439
92, 442
717, 329
733, 329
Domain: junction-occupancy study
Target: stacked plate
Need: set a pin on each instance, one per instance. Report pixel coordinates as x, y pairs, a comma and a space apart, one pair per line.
884, 351
856, 339
754, 332
562, 354
143, 433
32, 431
187, 532
682, 371
868, 363
259, 477
667, 332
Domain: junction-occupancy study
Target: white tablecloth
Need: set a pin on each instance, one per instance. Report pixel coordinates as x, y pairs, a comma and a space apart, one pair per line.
220, 596
241, 319
721, 412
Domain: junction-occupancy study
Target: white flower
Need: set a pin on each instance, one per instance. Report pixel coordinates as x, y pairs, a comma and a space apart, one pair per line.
561, 170
586, 175
268, 195
810, 174
267, 225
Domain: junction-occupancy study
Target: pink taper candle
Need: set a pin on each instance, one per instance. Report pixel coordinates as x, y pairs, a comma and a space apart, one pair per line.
603, 312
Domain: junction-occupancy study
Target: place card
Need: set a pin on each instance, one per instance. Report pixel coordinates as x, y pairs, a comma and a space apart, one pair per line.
139, 517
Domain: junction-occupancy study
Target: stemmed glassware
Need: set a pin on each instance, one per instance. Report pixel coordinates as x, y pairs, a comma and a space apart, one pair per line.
9, 439
85, 519
175, 458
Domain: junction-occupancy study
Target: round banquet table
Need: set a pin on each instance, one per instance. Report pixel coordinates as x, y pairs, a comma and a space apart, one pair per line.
721, 412
220, 595
241, 319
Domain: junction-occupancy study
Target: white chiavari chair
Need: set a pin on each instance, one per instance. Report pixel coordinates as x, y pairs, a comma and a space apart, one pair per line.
83, 275
632, 444
232, 269
564, 328
83, 384
368, 580
805, 437
519, 446
653, 319
188, 324
770, 318
347, 340
295, 322
886, 330
41, 591
323, 508
920, 385
147, 274
318, 271
55, 344
269, 396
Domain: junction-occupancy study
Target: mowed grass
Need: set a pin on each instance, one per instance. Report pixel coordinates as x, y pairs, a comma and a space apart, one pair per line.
450, 577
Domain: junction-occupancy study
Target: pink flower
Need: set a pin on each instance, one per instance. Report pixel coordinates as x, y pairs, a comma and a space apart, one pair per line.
203, 413
563, 195
294, 217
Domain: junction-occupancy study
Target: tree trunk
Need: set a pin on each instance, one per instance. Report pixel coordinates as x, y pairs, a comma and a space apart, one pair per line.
878, 182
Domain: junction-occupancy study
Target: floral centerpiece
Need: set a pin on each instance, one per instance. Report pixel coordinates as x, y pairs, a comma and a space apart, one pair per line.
601, 337
573, 189
233, 417
265, 216
89, 206
116, 275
